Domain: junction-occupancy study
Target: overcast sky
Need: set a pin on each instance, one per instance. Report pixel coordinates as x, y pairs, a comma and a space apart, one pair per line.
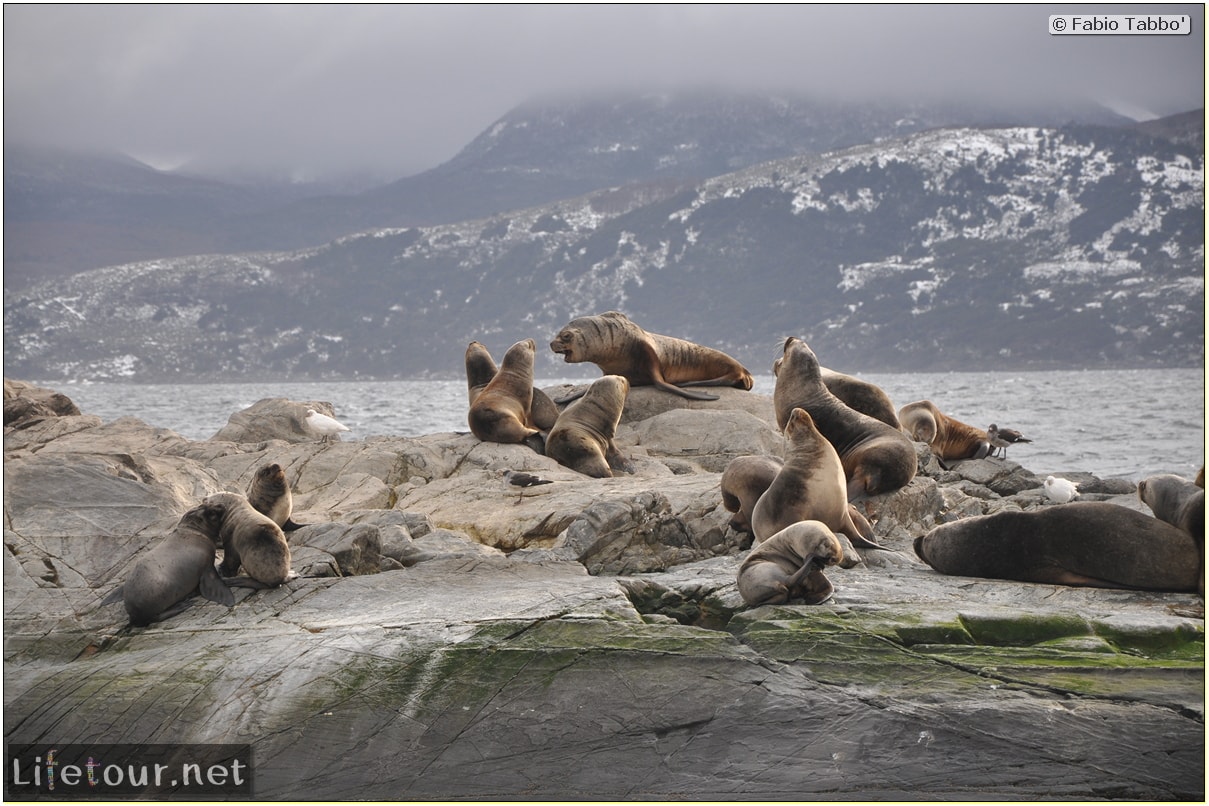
396, 89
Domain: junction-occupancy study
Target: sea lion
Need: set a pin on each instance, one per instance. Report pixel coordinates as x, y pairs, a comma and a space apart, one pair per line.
269, 494
620, 347
251, 540
743, 482
1175, 500
809, 487
789, 565
481, 368
863, 396
176, 568
1094, 543
501, 412
582, 439
948, 438
876, 457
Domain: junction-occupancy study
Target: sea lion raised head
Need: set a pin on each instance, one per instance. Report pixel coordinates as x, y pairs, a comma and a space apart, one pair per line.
620, 347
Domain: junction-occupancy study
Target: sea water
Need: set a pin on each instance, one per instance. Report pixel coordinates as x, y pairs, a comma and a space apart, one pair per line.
1112, 423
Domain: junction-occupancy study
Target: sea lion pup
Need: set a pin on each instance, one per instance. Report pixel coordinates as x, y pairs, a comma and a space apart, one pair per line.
582, 439
481, 368
863, 396
809, 487
620, 347
501, 412
269, 494
176, 568
743, 482
789, 565
252, 540
1094, 543
948, 438
876, 457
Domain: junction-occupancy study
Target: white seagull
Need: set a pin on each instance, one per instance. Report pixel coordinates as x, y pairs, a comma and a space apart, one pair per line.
516, 481
1060, 490
323, 425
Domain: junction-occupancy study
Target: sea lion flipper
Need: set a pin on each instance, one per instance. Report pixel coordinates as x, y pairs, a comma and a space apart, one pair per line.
213, 588
115, 595
860, 531
571, 396
680, 390
290, 526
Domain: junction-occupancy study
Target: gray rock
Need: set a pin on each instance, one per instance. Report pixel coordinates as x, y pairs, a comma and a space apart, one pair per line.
357, 549
274, 418
489, 676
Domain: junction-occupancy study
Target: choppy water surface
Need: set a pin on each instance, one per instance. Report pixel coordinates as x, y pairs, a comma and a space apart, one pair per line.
1113, 423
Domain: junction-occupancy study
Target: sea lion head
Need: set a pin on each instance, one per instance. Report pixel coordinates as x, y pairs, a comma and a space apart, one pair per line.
799, 359
520, 356
207, 517
801, 424
570, 344
271, 473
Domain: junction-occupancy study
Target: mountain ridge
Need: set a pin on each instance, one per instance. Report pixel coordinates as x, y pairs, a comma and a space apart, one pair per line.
973, 248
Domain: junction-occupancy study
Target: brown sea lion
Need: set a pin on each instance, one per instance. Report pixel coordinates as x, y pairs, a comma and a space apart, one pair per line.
252, 540
481, 368
620, 347
1094, 543
876, 458
582, 439
1175, 500
809, 487
743, 482
789, 565
948, 438
176, 568
269, 494
501, 411
863, 396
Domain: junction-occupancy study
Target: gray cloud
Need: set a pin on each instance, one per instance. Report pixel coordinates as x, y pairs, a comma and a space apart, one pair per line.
399, 88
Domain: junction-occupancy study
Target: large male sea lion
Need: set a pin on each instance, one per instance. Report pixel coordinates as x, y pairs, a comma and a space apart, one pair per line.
620, 347
743, 482
251, 540
269, 494
809, 487
876, 457
789, 565
501, 411
949, 439
582, 438
1094, 543
863, 396
481, 368
177, 567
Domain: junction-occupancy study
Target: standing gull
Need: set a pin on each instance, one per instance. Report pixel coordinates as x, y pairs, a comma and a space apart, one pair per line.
516, 481
1000, 438
323, 425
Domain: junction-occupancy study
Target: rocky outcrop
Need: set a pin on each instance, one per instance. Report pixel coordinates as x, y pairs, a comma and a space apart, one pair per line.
451, 638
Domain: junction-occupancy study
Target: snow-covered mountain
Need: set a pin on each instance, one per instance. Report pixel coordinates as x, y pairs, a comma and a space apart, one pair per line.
962, 248
70, 212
